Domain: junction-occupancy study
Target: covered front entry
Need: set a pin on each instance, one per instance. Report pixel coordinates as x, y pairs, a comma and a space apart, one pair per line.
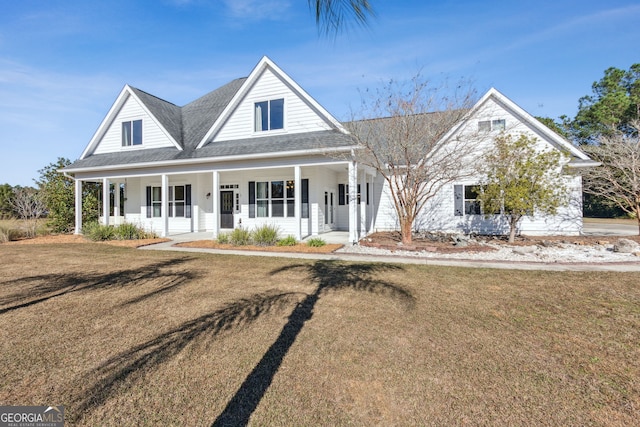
301, 200
226, 209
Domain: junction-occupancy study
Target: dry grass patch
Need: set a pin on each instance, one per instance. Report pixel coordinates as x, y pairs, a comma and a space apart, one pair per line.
125, 337
76, 238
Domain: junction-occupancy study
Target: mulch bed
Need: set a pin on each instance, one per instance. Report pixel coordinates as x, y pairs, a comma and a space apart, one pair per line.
392, 241
299, 248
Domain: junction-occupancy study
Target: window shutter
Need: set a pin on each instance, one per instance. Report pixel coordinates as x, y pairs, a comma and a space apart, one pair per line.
187, 201
305, 197
148, 202
252, 199
458, 200
367, 193
341, 194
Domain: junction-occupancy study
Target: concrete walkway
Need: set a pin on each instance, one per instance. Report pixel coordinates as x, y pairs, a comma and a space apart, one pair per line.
612, 266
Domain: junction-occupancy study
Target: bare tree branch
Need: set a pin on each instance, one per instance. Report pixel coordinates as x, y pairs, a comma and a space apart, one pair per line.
618, 179
403, 132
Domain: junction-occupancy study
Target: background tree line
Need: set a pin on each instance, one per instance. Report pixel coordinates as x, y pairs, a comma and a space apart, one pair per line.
606, 127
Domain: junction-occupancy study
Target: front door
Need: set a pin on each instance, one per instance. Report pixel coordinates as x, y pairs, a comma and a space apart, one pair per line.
328, 209
226, 209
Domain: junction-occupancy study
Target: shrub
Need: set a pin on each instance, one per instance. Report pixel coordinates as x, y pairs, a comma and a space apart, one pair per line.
316, 242
98, 232
127, 231
266, 235
287, 241
240, 237
223, 238
9, 232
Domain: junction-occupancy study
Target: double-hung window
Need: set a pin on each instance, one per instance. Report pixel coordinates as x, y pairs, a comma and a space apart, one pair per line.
269, 115
343, 194
176, 201
131, 133
466, 200
156, 202
276, 199
471, 203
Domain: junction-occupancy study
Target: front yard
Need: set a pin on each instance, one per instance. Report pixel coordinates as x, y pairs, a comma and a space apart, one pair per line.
121, 336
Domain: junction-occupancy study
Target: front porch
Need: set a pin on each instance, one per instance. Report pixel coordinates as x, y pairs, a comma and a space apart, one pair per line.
301, 200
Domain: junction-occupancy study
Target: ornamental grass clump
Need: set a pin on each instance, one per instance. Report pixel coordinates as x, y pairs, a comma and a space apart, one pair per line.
287, 241
223, 238
316, 242
127, 231
265, 235
240, 237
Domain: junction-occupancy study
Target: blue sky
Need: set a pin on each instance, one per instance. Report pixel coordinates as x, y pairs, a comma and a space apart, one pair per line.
63, 63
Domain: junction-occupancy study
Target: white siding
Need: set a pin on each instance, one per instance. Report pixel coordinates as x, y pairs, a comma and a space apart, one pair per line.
152, 134
298, 115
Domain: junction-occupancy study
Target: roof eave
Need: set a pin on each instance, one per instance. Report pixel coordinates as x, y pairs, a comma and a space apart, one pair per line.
208, 160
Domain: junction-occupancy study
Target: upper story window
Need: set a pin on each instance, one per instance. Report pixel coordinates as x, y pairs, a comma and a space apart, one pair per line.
132, 133
269, 115
489, 125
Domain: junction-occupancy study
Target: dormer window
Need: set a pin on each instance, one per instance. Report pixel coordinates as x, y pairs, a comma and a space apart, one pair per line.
269, 115
489, 125
131, 133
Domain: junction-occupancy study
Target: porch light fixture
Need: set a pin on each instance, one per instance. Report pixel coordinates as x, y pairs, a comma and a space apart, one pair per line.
208, 195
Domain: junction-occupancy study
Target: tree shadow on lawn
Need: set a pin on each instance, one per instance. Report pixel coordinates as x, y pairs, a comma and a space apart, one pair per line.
329, 276
119, 373
41, 288
113, 375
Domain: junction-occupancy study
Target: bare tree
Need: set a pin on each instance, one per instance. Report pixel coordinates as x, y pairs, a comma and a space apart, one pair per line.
29, 207
617, 180
404, 132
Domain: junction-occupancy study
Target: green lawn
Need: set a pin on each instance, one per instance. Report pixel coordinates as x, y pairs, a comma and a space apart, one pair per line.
124, 337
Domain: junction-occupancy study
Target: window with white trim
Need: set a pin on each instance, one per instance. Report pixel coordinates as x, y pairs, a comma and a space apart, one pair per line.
276, 199
491, 125
177, 200
466, 200
269, 115
156, 201
131, 133
472, 205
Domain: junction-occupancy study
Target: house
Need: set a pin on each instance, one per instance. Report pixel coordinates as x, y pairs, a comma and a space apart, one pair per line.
261, 150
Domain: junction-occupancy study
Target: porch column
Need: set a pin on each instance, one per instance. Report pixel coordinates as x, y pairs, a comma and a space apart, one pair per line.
106, 211
362, 208
297, 195
353, 202
164, 209
116, 201
78, 206
215, 196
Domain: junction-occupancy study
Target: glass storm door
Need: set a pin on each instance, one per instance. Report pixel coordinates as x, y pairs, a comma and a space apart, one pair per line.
226, 209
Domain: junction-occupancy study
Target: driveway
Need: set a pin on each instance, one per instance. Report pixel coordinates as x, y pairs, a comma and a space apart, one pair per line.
602, 227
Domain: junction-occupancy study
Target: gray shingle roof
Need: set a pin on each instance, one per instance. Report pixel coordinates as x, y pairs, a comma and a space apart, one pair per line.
189, 124
198, 116
168, 114
302, 142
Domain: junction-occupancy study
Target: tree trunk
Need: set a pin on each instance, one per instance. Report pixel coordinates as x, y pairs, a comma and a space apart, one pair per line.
405, 231
513, 223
